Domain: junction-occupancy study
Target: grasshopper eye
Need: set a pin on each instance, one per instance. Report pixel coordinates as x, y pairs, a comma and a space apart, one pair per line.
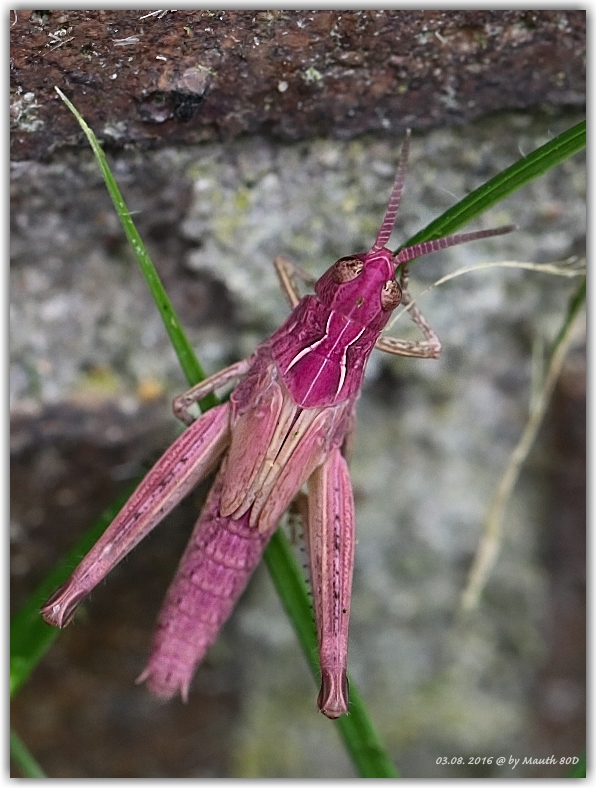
346, 269
390, 295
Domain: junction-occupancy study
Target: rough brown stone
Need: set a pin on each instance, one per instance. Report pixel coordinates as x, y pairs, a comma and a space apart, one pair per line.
186, 76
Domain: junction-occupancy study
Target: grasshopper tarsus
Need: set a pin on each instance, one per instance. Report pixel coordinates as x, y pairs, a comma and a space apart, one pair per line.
60, 608
333, 696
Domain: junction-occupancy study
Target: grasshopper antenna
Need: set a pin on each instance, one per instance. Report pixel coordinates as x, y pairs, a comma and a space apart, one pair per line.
418, 250
393, 207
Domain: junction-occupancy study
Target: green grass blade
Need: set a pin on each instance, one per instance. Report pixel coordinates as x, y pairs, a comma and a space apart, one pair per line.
188, 360
30, 636
23, 758
293, 591
579, 770
362, 740
357, 730
505, 183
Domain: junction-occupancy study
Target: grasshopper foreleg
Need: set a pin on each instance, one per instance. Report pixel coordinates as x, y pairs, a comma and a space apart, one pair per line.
288, 272
429, 347
182, 403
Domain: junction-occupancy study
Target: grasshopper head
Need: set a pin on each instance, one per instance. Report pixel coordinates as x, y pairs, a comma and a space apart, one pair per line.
363, 287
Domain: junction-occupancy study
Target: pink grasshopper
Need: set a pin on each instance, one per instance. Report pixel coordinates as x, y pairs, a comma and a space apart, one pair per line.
287, 423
